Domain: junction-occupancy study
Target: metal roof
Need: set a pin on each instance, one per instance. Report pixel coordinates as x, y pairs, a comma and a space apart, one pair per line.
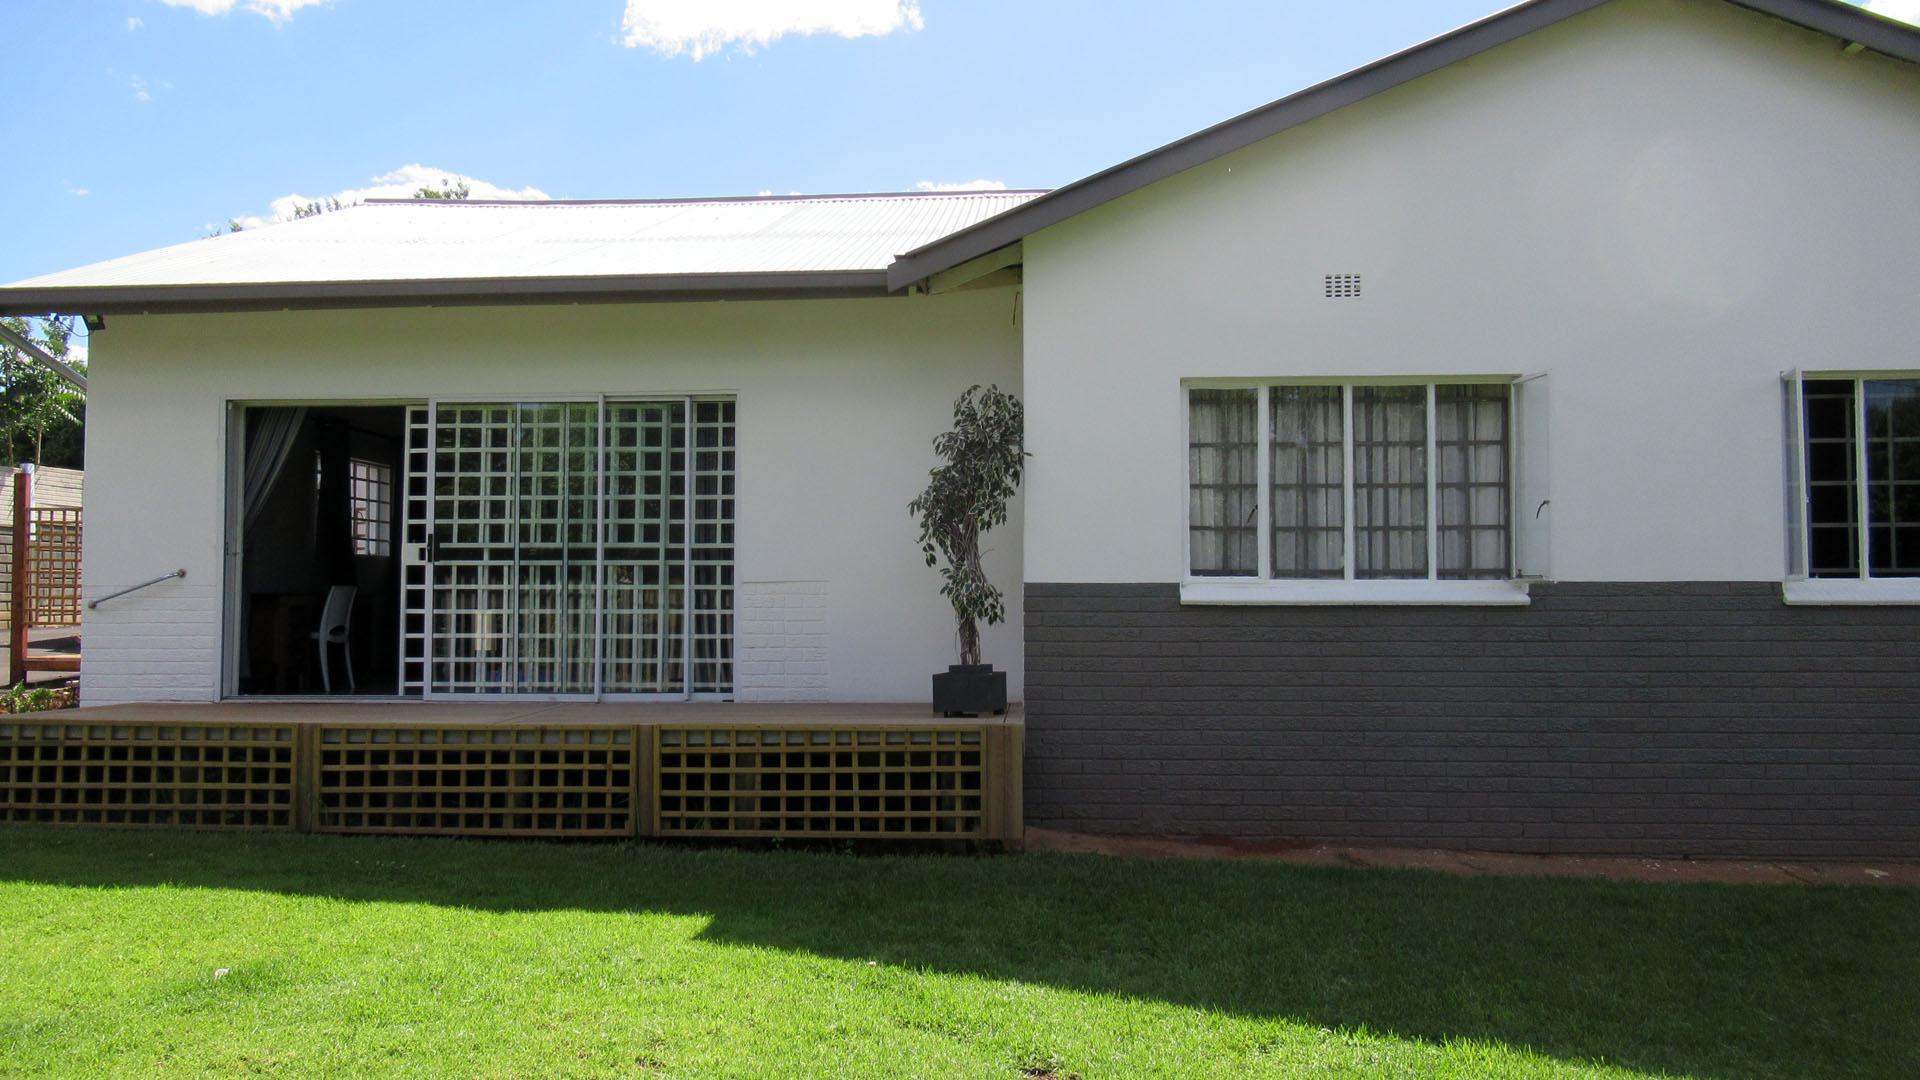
1836, 17
431, 251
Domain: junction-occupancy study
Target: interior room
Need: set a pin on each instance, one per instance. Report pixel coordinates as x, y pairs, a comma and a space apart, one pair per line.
319, 611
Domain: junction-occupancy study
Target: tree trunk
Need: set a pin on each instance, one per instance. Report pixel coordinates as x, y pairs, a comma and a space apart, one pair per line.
969, 632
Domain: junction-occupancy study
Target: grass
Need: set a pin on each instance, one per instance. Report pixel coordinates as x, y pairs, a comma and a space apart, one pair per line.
452, 958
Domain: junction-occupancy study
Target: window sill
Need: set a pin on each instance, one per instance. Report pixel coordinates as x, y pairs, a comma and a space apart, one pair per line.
1356, 593
1851, 591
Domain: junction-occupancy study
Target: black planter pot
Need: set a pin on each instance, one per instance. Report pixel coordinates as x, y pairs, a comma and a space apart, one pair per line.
970, 690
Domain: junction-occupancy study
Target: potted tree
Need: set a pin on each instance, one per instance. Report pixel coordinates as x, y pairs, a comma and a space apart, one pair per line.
965, 497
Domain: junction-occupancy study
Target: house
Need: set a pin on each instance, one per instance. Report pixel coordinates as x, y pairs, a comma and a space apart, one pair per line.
1503, 446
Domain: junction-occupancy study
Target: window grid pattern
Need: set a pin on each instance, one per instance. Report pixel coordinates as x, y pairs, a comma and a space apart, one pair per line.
572, 782
1309, 481
1224, 486
1470, 440
1368, 481
1893, 477
646, 538
1390, 481
712, 547
1833, 510
206, 777
518, 520
821, 782
414, 569
370, 506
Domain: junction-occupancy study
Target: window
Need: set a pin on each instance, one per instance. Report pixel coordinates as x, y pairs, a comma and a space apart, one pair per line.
1351, 482
370, 506
1861, 474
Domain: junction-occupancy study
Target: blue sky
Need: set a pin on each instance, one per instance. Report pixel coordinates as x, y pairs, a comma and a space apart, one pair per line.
141, 123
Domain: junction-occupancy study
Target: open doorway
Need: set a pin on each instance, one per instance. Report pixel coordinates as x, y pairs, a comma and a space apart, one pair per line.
318, 605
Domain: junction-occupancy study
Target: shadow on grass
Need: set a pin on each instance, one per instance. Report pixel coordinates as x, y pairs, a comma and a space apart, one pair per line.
1711, 980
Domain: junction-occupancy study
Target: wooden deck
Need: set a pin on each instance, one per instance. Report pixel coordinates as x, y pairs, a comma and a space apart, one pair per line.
505, 713
526, 769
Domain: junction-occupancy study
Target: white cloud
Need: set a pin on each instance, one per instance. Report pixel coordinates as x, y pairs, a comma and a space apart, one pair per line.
76, 191
135, 22
962, 185
401, 183
277, 10
1904, 10
701, 28
139, 87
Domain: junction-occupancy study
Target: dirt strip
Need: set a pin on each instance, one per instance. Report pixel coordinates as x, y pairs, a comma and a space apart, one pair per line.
1617, 868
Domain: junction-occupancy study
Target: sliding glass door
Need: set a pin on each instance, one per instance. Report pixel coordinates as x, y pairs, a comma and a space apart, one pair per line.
570, 549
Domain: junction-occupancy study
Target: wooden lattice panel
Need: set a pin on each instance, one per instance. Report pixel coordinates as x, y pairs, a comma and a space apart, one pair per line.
553, 782
198, 776
54, 555
894, 783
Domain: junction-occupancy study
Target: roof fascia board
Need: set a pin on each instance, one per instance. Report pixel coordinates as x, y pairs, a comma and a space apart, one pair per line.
974, 269
1833, 17
164, 299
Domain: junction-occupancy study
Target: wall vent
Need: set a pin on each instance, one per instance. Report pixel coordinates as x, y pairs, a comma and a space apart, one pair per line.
1343, 286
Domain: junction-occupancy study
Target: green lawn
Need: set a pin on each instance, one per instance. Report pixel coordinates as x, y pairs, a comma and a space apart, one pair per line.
422, 957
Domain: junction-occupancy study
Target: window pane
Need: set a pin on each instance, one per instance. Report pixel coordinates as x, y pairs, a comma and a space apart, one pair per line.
1833, 548
1309, 482
1470, 439
1390, 481
1893, 478
1223, 493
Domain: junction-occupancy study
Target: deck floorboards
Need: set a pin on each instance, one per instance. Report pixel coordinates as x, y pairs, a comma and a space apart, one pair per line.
529, 714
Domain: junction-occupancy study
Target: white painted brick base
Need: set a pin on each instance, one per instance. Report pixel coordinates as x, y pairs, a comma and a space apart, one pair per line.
780, 641
159, 644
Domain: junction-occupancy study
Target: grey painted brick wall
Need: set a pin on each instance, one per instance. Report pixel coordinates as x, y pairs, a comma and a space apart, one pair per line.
1663, 719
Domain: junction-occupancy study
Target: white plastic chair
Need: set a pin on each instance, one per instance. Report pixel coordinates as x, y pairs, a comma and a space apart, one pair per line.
334, 620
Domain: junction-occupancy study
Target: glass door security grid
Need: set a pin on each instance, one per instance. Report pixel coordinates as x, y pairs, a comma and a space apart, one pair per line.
569, 549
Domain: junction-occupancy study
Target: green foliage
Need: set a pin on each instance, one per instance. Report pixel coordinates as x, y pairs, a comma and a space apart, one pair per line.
26, 699
318, 207
38, 410
964, 498
445, 191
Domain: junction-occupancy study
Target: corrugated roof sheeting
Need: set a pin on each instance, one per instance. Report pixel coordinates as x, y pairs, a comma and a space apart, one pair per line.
426, 241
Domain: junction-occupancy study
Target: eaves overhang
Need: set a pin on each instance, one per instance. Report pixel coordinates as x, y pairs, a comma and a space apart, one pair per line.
294, 295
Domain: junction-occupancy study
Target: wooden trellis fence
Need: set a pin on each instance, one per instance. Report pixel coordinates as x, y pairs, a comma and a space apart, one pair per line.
42, 578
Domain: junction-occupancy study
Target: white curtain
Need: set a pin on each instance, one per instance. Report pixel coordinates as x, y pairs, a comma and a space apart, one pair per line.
1470, 437
1223, 482
1309, 482
1390, 481
270, 436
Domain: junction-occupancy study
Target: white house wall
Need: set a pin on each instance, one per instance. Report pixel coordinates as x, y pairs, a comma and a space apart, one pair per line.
838, 403
1663, 204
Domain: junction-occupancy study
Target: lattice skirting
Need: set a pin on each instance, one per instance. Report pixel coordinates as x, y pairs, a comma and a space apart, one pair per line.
202, 776
560, 782
914, 782
950, 781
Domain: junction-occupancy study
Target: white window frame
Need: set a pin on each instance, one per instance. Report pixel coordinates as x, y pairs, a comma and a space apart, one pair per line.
371, 516
1800, 587
1264, 589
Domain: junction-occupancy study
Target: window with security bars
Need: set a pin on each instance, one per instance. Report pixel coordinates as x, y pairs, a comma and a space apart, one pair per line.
369, 504
571, 548
1861, 458
1350, 481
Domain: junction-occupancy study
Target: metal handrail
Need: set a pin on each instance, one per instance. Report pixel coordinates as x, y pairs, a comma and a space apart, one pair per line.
136, 588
